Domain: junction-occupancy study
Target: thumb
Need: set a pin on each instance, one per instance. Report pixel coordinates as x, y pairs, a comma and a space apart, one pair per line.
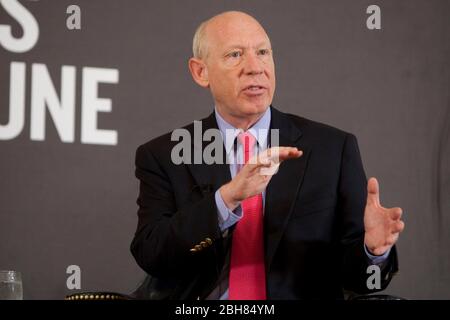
373, 192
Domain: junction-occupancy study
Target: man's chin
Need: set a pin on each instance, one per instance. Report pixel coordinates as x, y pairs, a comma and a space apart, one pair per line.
255, 109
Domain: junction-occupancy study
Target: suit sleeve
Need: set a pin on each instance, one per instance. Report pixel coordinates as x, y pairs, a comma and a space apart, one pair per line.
352, 201
166, 233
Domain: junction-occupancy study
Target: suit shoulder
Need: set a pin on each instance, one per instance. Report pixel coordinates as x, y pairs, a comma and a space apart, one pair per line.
312, 127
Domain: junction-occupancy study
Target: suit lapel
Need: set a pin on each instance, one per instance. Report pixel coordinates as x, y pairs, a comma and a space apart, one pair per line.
209, 177
284, 186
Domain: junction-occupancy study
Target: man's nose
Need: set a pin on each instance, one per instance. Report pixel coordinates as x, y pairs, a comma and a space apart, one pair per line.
253, 65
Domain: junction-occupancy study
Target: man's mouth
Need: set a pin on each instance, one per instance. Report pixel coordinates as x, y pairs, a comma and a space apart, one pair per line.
254, 90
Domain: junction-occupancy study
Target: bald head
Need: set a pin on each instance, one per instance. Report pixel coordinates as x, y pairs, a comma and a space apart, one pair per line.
220, 26
233, 59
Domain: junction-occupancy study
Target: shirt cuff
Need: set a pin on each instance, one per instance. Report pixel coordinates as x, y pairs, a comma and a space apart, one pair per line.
378, 260
227, 218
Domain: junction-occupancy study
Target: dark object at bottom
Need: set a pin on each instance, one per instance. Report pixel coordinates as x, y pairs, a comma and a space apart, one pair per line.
375, 297
152, 289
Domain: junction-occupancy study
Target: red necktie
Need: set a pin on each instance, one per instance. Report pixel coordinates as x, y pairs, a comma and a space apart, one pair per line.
247, 271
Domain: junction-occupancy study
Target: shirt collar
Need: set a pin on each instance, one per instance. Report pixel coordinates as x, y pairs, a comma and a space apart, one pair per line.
259, 130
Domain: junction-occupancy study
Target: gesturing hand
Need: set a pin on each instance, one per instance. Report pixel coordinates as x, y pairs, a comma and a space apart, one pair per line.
249, 181
382, 225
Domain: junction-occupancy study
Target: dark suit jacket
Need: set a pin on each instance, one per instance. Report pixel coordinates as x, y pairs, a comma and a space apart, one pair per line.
313, 218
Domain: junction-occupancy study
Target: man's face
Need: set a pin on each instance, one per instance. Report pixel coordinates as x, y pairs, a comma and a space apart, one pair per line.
240, 66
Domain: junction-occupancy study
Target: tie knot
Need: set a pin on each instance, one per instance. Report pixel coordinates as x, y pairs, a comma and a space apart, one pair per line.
248, 142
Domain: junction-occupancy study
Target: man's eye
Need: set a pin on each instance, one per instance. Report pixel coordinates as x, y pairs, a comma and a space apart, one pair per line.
263, 52
234, 54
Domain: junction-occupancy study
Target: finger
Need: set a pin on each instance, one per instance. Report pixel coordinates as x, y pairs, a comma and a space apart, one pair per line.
277, 154
392, 239
373, 193
395, 213
286, 153
272, 155
398, 227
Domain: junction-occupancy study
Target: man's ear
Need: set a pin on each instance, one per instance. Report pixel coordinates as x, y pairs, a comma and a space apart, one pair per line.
199, 72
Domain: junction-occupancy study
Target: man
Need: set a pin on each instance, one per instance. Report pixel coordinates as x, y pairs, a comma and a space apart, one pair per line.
229, 231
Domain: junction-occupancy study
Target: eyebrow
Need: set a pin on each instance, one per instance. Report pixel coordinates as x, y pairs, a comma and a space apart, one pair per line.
238, 46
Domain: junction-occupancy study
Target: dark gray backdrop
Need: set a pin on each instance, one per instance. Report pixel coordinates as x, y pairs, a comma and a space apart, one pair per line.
73, 203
